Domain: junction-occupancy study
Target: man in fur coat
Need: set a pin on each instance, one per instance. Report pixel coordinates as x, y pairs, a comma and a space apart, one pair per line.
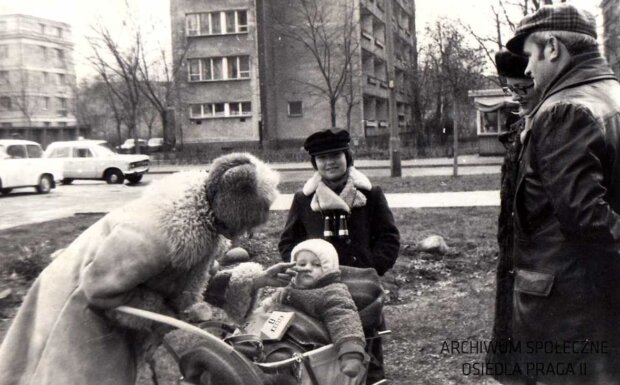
154, 254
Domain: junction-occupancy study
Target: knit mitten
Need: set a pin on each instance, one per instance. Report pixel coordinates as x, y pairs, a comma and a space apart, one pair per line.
351, 364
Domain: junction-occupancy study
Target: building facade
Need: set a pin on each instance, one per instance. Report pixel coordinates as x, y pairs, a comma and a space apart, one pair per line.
245, 78
37, 79
611, 33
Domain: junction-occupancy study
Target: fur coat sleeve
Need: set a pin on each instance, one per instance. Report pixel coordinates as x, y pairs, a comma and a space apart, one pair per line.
126, 259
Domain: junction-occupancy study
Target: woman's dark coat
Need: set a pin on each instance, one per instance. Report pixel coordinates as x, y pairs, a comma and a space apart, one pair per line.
373, 238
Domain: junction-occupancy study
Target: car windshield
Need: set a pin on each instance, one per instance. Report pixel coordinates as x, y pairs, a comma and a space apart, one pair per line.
104, 149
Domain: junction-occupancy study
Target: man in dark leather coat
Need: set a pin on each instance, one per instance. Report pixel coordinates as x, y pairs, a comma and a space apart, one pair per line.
566, 308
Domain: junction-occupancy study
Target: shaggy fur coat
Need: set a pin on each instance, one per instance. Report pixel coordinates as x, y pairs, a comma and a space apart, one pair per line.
154, 254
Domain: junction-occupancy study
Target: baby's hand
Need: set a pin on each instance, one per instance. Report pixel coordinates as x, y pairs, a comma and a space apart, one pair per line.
351, 364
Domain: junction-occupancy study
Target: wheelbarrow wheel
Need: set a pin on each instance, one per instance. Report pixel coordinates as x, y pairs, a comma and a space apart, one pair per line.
218, 364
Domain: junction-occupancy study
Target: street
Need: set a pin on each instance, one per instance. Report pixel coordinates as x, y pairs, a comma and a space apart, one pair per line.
24, 206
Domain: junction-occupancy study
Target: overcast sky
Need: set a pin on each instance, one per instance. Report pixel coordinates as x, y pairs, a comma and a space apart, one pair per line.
154, 17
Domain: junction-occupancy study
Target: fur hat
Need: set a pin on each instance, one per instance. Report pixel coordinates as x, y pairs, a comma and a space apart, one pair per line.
510, 65
324, 250
240, 190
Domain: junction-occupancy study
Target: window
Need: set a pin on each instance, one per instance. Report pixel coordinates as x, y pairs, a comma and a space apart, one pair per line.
242, 21
489, 123
60, 56
58, 32
295, 108
191, 25
241, 108
4, 77
43, 51
237, 67
16, 152
231, 21
4, 51
5, 102
63, 103
34, 151
194, 70
42, 28
60, 152
82, 153
46, 103
216, 23
61, 79
218, 110
204, 21
45, 78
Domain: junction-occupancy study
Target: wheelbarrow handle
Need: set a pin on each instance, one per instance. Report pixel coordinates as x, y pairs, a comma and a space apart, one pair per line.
169, 321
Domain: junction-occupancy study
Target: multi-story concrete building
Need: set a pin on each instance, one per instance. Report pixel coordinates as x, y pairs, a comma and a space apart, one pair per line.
37, 79
246, 80
611, 33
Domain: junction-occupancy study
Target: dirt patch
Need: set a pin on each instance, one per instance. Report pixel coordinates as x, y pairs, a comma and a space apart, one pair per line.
432, 298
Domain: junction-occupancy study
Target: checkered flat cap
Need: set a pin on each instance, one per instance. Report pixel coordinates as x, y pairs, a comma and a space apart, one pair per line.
561, 17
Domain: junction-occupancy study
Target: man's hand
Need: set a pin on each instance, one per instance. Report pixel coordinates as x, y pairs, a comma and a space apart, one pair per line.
277, 275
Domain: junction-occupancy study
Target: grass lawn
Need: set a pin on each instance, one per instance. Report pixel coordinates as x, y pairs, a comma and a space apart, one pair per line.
432, 298
422, 184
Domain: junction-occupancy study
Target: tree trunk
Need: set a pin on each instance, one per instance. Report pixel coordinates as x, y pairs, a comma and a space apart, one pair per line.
332, 107
455, 135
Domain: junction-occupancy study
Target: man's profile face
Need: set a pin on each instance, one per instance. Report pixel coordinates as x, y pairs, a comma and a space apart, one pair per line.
539, 66
522, 91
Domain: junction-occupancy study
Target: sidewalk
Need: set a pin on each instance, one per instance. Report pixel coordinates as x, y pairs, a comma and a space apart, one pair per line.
362, 164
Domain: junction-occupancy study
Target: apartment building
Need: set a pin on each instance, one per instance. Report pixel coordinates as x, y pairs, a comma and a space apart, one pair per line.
37, 79
219, 86
611, 33
245, 81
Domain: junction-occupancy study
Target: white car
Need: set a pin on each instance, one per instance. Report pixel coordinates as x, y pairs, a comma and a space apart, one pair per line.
21, 165
96, 159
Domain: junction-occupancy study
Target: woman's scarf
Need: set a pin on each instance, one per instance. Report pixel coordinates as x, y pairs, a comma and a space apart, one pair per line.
326, 199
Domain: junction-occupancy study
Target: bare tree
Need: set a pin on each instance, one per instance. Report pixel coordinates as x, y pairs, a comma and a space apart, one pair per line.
118, 68
327, 32
157, 83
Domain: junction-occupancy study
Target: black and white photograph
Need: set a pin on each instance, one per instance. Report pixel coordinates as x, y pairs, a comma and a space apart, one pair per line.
310, 192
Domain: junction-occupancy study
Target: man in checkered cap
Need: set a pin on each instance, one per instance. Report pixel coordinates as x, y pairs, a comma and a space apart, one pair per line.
566, 308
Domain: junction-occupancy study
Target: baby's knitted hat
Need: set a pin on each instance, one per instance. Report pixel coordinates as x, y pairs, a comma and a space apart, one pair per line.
324, 250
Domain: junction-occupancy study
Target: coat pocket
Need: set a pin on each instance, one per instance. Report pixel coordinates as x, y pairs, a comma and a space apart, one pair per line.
533, 282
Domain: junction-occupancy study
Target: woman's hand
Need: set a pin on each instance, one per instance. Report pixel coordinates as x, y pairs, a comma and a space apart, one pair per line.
277, 275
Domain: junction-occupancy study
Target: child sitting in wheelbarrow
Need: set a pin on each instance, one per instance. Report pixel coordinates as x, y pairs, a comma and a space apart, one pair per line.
315, 290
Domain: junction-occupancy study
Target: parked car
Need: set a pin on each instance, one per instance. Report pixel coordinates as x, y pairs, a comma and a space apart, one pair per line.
21, 165
96, 159
155, 145
128, 147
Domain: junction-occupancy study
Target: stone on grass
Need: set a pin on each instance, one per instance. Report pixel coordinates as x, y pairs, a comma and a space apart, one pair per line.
235, 255
6, 293
433, 244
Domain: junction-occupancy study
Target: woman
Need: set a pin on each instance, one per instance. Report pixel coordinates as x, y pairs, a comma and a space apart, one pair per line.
340, 205
511, 69
155, 253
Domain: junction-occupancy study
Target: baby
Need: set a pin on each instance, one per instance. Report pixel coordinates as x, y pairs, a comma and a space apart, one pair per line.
317, 291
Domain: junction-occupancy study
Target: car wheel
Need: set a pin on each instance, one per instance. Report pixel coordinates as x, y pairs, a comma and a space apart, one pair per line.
114, 176
6, 191
66, 181
134, 178
45, 184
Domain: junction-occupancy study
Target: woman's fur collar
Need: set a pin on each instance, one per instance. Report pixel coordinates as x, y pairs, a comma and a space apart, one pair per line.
180, 208
326, 199
360, 181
